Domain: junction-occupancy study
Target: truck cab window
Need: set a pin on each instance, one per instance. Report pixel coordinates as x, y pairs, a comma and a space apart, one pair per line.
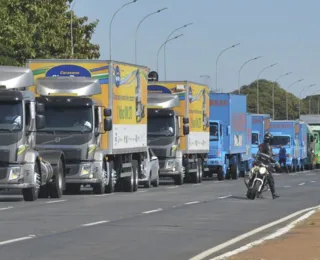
11, 116
96, 118
28, 115
213, 130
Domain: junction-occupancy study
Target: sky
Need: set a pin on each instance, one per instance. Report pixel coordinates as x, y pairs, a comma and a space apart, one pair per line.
282, 31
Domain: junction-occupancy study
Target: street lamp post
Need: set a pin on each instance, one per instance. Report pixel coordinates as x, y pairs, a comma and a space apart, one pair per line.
273, 95
300, 96
218, 60
287, 110
110, 25
135, 39
171, 39
253, 59
270, 66
165, 48
71, 28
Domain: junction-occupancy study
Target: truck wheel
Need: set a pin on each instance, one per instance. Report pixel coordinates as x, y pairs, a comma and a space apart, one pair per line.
31, 194
135, 175
234, 170
110, 186
128, 182
220, 174
195, 176
156, 182
147, 184
56, 187
178, 180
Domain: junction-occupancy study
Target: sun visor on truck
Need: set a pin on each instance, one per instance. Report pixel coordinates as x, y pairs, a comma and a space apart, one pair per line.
68, 86
163, 100
15, 77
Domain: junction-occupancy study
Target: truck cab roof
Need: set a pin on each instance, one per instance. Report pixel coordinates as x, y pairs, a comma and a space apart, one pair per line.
67, 100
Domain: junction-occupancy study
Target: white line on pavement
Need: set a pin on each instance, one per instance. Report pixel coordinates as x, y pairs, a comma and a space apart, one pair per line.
141, 191
303, 183
16, 240
313, 181
191, 202
224, 197
103, 195
235, 240
95, 223
6, 208
310, 174
152, 211
271, 236
196, 184
173, 187
286, 186
55, 201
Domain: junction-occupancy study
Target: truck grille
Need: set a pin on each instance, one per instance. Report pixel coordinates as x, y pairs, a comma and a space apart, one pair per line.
72, 155
3, 173
160, 153
4, 156
161, 164
72, 170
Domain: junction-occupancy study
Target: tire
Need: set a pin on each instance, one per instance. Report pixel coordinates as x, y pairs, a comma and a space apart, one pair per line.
56, 187
195, 177
110, 185
178, 180
128, 182
31, 194
254, 191
135, 175
220, 174
100, 188
147, 184
234, 171
156, 182
201, 168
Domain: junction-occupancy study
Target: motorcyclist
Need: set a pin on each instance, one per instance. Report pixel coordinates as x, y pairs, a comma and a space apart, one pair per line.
266, 148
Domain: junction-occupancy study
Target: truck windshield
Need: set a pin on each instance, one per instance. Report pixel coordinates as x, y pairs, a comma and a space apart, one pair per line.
214, 131
68, 119
161, 125
10, 116
281, 140
255, 138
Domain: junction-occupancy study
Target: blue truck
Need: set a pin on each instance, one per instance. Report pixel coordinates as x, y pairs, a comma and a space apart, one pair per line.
228, 114
260, 125
303, 138
286, 133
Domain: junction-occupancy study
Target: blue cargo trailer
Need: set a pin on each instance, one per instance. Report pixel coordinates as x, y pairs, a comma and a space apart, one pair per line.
286, 133
246, 163
260, 126
228, 113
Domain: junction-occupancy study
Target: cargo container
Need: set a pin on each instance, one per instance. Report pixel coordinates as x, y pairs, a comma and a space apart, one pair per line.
228, 134
246, 163
286, 133
303, 138
96, 114
260, 126
178, 128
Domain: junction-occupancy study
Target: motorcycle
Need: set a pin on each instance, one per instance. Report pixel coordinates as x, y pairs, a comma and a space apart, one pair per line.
256, 180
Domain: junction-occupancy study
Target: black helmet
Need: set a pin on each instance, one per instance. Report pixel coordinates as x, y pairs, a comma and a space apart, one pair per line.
267, 138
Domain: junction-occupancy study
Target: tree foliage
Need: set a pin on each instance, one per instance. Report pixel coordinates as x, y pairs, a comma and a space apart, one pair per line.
41, 29
265, 100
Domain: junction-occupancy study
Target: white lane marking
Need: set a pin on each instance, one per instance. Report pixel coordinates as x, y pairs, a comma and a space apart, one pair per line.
293, 174
235, 240
218, 181
278, 233
224, 197
6, 208
103, 195
95, 223
310, 174
55, 201
16, 240
303, 183
286, 186
196, 184
191, 202
152, 211
172, 187
141, 191
313, 181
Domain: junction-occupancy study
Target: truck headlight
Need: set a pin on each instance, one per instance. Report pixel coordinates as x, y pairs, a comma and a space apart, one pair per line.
170, 165
14, 173
85, 169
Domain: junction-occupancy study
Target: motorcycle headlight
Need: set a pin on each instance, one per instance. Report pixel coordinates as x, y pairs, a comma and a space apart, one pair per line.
262, 170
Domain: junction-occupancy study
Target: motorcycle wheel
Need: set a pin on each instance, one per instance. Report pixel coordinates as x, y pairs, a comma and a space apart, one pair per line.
252, 193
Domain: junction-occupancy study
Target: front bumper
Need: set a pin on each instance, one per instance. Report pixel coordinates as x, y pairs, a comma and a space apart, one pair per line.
85, 173
17, 176
213, 162
171, 167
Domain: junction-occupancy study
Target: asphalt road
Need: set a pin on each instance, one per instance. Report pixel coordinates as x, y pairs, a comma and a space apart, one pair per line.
168, 222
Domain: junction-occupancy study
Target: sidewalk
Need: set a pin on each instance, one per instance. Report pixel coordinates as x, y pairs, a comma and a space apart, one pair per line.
301, 243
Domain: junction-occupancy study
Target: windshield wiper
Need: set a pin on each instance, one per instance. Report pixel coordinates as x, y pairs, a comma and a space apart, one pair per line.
6, 130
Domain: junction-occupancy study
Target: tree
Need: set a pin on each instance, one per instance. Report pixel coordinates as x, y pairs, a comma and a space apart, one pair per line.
7, 56
265, 99
41, 29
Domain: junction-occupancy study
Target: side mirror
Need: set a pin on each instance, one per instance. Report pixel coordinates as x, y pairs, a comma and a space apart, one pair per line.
186, 130
107, 112
40, 108
40, 122
153, 158
185, 120
107, 124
